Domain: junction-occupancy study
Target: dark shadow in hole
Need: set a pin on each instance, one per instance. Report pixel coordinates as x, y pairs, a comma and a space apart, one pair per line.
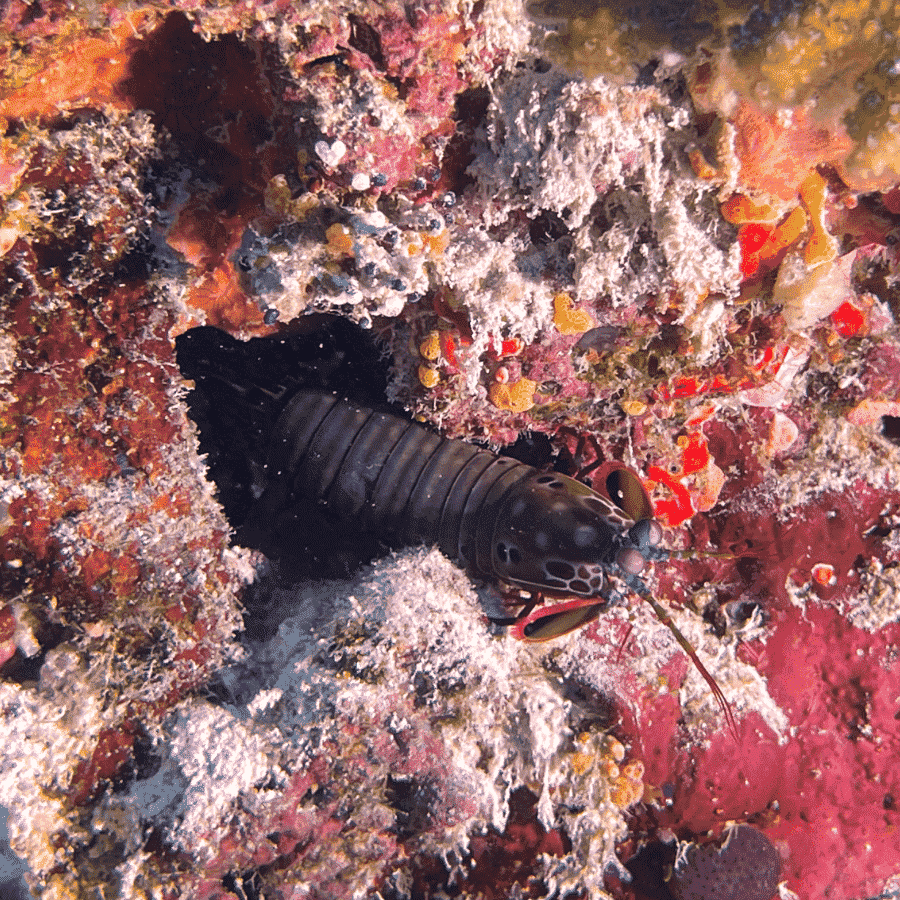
213, 99
890, 428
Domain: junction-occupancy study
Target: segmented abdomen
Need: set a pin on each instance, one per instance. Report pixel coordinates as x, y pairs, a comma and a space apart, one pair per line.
392, 477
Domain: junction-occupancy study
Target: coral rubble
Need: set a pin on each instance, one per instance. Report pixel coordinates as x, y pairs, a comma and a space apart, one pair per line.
668, 239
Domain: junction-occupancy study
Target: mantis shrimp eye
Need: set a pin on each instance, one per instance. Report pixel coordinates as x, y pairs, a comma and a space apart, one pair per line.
646, 533
631, 561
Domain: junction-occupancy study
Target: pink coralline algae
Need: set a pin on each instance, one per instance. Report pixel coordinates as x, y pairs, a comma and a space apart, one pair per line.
675, 246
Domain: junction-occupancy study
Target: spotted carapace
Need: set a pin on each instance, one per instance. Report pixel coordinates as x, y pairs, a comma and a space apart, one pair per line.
535, 534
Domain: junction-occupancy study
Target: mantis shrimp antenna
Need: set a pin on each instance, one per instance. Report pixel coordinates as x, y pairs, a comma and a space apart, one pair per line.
663, 615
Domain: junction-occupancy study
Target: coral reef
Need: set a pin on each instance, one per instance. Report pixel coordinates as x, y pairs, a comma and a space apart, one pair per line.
801, 83
669, 241
365, 718
112, 612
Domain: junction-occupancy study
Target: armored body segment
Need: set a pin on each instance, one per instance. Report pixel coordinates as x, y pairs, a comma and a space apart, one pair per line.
386, 475
501, 519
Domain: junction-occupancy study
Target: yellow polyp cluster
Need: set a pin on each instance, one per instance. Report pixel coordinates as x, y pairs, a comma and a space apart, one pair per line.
624, 782
840, 58
613, 749
628, 788
514, 396
581, 762
339, 238
609, 769
567, 319
589, 44
430, 347
429, 376
794, 60
603, 37
839, 62
633, 407
430, 350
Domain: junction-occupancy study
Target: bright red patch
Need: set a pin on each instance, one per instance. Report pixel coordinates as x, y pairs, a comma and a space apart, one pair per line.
752, 237
848, 319
677, 510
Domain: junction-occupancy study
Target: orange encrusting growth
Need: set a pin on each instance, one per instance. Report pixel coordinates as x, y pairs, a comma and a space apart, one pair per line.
515, 396
77, 68
821, 247
568, 319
